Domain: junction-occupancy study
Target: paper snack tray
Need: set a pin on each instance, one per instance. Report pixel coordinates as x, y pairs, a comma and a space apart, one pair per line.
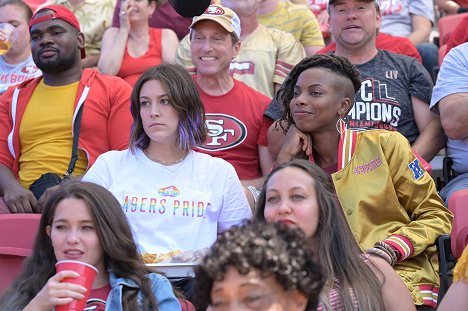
174, 270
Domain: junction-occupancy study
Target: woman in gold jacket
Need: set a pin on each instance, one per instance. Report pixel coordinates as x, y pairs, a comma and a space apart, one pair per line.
389, 201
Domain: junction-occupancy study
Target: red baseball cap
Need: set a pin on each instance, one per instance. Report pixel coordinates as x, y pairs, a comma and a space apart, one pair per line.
60, 12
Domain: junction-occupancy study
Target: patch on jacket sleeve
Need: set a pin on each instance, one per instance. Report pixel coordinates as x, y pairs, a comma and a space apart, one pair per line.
416, 169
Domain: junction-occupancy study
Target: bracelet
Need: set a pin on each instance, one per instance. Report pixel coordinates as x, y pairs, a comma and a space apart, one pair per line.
380, 253
389, 250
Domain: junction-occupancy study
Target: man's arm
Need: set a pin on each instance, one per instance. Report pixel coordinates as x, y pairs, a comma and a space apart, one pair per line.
90, 61
447, 6
431, 137
311, 50
421, 29
311, 36
183, 55
453, 111
276, 138
266, 162
18, 199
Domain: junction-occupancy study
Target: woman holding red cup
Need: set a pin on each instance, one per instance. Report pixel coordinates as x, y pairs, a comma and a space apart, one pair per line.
84, 222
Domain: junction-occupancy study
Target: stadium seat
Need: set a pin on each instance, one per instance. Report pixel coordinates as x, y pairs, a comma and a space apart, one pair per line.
17, 234
458, 205
446, 25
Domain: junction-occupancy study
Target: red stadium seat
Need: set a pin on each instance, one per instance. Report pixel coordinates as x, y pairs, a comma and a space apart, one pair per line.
17, 234
446, 25
458, 205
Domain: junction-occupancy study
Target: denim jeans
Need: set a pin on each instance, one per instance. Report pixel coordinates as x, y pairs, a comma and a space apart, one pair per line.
430, 57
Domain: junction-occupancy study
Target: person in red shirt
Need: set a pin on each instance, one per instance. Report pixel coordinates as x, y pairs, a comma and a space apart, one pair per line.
399, 45
234, 111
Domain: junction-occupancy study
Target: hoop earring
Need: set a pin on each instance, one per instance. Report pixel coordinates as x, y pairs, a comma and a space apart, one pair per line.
341, 125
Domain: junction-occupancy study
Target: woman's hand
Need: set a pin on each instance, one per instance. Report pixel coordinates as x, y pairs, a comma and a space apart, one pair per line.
56, 293
124, 15
294, 142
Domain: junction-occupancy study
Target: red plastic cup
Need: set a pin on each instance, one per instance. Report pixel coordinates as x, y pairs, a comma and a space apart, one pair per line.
87, 274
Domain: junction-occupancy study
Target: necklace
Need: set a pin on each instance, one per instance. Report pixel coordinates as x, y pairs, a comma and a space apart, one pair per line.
165, 163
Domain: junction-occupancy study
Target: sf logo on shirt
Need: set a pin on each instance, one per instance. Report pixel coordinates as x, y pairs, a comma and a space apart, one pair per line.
224, 132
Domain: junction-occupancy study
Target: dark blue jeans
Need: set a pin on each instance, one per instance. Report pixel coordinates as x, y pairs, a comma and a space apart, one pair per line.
430, 57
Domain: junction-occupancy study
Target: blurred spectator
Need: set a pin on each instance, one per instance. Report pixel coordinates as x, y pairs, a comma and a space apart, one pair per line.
95, 16
386, 42
265, 57
135, 46
449, 100
296, 19
17, 65
37, 117
452, 6
236, 125
164, 16
319, 8
412, 19
259, 266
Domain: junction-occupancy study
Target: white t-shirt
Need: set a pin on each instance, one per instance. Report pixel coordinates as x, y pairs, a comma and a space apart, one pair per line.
178, 207
12, 74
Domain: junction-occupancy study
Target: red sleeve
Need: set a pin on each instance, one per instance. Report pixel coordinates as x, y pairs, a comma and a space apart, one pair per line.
120, 118
5, 128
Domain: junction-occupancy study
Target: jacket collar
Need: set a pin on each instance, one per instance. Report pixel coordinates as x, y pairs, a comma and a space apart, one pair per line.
346, 148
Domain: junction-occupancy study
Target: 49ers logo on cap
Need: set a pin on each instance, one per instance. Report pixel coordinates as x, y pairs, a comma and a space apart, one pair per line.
215, 10
224, 132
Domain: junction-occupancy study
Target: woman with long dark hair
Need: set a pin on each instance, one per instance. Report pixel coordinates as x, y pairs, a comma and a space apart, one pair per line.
299, 194
83, 221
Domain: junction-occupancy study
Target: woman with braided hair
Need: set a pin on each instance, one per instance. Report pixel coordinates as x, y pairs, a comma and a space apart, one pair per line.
389, 201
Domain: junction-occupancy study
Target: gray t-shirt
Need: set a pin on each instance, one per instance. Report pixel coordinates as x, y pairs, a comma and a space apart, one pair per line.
453, 79
389, 81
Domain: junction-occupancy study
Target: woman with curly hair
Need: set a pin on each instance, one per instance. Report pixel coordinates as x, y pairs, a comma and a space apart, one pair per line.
389, 201
83, 221
258, 266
